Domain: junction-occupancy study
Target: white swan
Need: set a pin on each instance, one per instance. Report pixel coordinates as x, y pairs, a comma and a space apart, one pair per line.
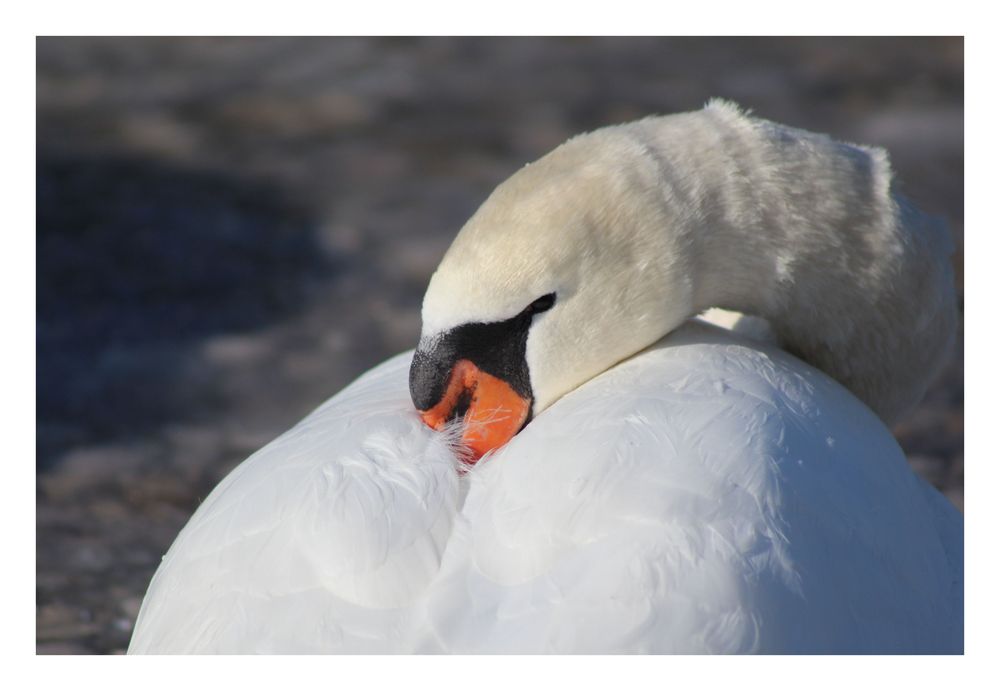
709, 494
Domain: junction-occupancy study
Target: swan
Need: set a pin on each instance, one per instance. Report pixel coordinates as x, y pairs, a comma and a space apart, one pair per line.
570, 461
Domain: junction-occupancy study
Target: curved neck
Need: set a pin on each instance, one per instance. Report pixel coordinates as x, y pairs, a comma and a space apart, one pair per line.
807, 233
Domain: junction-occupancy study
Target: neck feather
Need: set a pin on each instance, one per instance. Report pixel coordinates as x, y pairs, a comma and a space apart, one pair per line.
808, 233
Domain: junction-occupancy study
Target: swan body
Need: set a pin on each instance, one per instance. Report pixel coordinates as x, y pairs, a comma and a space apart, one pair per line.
645, 483
711, 494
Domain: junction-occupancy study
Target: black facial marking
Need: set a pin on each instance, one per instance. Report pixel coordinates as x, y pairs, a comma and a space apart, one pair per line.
542, 304
497, 348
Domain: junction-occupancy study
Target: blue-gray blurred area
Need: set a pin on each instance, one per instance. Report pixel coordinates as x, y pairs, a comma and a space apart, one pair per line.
230, 230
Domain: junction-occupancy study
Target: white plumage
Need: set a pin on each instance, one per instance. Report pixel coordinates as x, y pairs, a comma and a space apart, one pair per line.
708, 494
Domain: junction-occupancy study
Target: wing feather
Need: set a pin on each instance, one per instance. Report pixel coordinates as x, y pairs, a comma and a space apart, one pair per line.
708, 495
319, 542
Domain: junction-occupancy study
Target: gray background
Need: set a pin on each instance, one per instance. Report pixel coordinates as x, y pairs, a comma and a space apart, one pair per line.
230, 230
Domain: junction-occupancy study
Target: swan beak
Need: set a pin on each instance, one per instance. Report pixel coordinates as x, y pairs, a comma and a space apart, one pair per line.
492, 412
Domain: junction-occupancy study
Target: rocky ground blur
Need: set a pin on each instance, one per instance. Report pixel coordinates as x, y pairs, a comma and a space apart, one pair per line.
230, 230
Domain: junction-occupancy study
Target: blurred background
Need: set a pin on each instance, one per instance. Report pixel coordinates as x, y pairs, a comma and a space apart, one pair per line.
231, 230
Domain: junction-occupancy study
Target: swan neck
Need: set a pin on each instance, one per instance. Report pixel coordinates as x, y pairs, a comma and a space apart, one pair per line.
807, 233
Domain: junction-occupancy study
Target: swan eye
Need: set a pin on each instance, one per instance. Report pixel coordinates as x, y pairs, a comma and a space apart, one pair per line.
542, 304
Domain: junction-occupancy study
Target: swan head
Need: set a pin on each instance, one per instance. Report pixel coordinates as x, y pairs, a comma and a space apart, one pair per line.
565, 270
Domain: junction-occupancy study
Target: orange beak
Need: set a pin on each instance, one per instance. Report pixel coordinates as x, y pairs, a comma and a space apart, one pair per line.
495, 411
